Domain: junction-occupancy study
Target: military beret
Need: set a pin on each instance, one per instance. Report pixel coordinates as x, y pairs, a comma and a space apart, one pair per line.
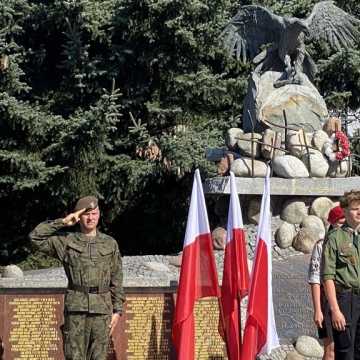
87, 202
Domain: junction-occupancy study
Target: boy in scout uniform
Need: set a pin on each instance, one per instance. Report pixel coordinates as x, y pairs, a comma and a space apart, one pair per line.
341, 276
92, 262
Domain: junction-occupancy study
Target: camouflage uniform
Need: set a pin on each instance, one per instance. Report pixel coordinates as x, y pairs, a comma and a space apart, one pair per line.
94, 271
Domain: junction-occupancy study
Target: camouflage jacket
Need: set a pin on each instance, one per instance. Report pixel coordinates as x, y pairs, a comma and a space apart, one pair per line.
89, 263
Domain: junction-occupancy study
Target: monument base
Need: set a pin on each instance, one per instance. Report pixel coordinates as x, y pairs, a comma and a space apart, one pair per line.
330, 187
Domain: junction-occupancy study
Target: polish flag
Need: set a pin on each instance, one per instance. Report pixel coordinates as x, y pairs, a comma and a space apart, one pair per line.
198, 275
260, 334
235, 275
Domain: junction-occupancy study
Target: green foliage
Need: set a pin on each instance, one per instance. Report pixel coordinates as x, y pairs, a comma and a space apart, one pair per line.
341, 90
120, 98
355, 151
67, 130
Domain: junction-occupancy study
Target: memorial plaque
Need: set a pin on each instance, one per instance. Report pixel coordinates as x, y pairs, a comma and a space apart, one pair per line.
208, 342
148, 326
292, 299
32, 327
145, 332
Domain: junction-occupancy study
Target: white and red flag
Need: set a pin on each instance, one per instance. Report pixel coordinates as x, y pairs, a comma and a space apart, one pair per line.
235, 281
260, 335
198, 275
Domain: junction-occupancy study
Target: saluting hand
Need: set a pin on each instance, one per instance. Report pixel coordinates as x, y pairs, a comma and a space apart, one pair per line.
73, 218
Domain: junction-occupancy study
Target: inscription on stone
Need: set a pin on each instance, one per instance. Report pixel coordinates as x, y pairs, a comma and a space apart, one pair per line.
148, 326
208, 343
148, 323
292, 299
33, 327
30, 327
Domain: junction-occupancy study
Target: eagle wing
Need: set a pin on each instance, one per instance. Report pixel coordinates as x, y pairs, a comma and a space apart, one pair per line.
252, 27
334, 25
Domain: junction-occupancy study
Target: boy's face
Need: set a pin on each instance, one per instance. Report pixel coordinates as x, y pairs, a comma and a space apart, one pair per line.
352, 214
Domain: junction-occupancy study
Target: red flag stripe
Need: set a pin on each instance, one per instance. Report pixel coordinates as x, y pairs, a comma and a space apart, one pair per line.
198, 278
257, 319
234, 287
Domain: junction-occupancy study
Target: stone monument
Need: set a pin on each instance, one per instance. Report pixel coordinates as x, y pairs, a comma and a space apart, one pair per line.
286, 125
285, 122
284, 69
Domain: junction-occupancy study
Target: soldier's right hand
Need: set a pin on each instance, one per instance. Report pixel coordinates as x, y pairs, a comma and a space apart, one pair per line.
73, 218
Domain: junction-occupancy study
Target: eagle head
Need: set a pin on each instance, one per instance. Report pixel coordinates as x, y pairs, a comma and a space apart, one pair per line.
297, 25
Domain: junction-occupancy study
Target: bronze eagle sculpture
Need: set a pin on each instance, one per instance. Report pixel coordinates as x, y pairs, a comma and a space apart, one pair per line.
254, 27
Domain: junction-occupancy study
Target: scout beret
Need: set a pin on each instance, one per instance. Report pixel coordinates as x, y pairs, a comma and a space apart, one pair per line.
87, 202
335, 215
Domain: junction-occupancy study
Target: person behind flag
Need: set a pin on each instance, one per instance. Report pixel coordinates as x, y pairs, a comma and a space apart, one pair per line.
341, 278
322, 317
235, 282
198, 274
260, 335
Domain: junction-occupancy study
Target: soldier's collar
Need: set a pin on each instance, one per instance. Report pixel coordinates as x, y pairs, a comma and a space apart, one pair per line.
100, 237
83, 238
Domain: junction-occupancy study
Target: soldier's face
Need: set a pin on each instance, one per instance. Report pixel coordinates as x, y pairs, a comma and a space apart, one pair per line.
353, 214
89, 220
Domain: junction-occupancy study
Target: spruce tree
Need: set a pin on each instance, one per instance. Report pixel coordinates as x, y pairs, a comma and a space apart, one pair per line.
120, 98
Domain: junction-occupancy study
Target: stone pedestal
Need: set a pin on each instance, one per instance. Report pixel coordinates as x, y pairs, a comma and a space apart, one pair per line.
331, 187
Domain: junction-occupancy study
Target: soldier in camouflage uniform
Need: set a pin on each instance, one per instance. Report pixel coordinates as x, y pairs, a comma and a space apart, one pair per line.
92, 262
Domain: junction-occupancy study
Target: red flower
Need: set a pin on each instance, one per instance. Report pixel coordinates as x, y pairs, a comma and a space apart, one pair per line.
344, 145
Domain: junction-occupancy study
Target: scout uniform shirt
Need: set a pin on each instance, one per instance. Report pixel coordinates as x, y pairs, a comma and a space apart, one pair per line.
341, 257
92, 265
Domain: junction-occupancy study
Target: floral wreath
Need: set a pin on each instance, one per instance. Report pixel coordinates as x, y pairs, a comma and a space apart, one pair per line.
342, 141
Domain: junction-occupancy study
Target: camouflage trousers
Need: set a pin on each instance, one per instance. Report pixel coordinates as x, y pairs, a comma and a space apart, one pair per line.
86, 336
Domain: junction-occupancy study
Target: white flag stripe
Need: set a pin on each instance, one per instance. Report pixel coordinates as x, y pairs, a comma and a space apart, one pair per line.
265, 234
264, 226
235, 215
197, 222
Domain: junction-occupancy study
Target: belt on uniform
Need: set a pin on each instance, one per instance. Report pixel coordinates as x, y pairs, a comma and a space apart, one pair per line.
89, 289
342, 289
